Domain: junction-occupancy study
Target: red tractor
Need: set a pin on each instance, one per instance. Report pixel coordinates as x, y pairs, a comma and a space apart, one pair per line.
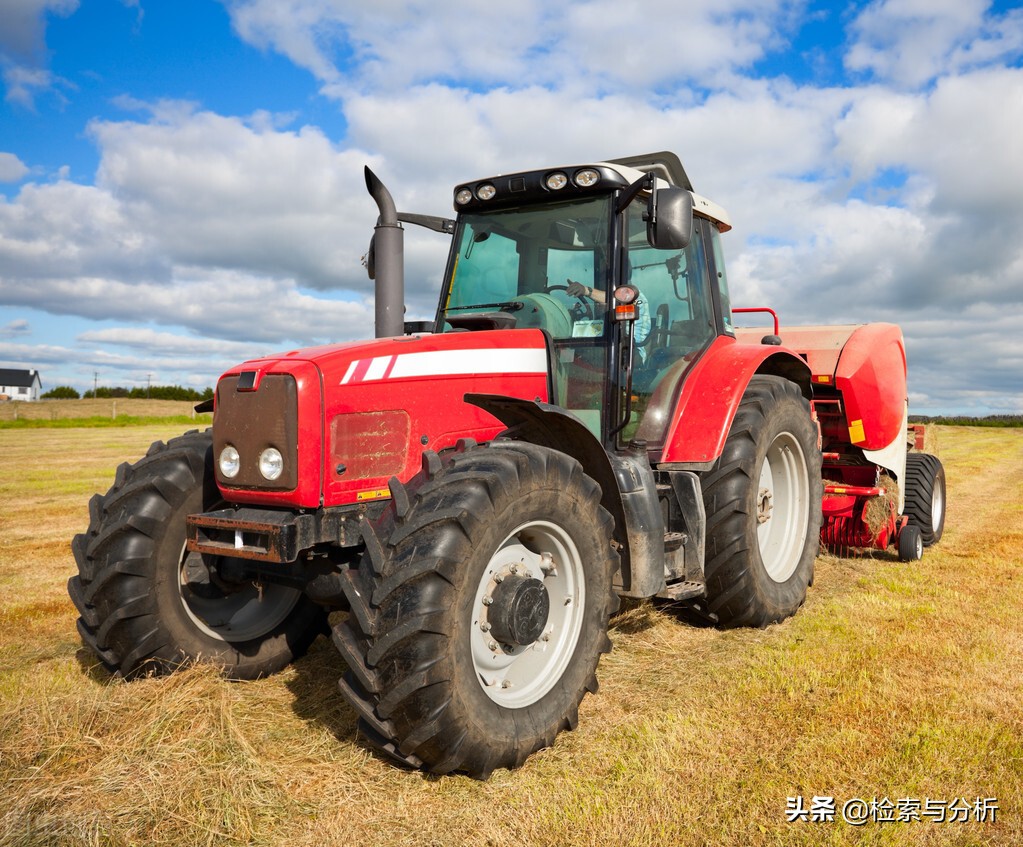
581, 422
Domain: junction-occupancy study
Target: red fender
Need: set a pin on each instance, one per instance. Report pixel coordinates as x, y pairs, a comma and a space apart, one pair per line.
711, 393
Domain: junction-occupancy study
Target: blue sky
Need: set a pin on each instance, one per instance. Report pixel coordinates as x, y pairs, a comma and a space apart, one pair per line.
181, 182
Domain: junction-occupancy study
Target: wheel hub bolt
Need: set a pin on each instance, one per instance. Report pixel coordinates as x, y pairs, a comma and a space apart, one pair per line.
547, 565
488, 600
493, 646
485, 626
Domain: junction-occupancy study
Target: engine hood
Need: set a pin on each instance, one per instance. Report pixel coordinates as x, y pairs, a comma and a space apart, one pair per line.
367, 411
456, 354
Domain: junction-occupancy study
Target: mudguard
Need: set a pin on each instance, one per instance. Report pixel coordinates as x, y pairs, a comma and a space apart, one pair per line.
711, 393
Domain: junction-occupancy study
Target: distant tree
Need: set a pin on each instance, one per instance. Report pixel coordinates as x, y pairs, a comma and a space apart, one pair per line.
153, 392
61, 392
1010, 421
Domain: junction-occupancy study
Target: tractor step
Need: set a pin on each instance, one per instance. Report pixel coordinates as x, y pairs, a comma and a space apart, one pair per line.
683, 591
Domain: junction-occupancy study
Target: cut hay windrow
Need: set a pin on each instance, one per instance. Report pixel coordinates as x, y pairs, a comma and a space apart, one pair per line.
879, 510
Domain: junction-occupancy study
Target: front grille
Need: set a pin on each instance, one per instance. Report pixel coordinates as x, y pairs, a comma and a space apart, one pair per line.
251, 421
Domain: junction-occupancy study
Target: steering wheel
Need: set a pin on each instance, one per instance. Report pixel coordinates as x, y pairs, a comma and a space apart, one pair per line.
579, 311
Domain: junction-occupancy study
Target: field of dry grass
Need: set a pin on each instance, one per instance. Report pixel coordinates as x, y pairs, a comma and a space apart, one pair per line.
98, 408
895, 681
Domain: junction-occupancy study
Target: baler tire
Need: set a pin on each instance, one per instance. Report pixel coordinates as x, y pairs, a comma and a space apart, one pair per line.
910, 544
925, 496
138, 612
427, 685
771, 460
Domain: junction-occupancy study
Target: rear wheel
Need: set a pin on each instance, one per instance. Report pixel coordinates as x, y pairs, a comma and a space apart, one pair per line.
148, 605
925, 496
763, 502
480, 609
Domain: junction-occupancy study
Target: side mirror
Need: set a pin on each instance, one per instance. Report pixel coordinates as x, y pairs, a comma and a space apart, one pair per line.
670, 219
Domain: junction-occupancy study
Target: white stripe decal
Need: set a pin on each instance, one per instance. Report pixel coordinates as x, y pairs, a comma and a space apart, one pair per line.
469, 362
377, 368
519, 360
349, 372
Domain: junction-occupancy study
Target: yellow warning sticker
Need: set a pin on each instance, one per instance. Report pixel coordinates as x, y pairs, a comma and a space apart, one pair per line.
374, 494
856, 434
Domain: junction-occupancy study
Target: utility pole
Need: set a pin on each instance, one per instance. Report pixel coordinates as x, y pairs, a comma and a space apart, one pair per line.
95, 380
149, 379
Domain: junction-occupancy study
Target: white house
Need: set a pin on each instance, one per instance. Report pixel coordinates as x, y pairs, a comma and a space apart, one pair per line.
19, 385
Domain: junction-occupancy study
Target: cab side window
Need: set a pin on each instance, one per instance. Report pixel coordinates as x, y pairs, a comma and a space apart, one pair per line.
675, 288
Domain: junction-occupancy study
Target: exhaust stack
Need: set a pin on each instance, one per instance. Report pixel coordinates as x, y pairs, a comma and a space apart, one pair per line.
387, 261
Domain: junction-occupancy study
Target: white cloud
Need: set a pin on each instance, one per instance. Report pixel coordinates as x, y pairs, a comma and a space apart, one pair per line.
24, 84
23, 48
24, 27
12, 169
19, 326
910, 42
64, 365
226, 192
224, 304
68, 230
164, 343
595, 45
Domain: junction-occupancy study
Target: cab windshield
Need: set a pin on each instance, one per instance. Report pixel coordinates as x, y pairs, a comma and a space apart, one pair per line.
516, 267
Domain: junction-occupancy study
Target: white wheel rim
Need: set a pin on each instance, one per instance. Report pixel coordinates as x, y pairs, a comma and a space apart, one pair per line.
937, 506
782, 507
250, 612
516, 677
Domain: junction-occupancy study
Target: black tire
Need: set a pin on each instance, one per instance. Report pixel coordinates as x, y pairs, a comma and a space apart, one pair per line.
148, 606
763, 502
424, 678
925, 496
911, 546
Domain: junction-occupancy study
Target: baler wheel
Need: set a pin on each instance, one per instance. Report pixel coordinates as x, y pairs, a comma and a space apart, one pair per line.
763, 501
911, 545
480, 608
147, 605
925, 496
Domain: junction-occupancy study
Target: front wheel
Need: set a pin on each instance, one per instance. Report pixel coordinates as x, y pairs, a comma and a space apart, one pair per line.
148, 605
763, 501
480, 609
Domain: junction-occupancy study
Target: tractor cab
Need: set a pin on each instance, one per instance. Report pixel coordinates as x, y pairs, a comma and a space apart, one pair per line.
563, 251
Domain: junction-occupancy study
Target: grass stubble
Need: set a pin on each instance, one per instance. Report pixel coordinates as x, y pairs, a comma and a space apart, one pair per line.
893, 681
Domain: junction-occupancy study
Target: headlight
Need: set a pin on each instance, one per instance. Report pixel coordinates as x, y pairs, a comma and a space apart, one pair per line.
587, 177
230, 462
556, 181
463, 196
486, 191
271, 463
